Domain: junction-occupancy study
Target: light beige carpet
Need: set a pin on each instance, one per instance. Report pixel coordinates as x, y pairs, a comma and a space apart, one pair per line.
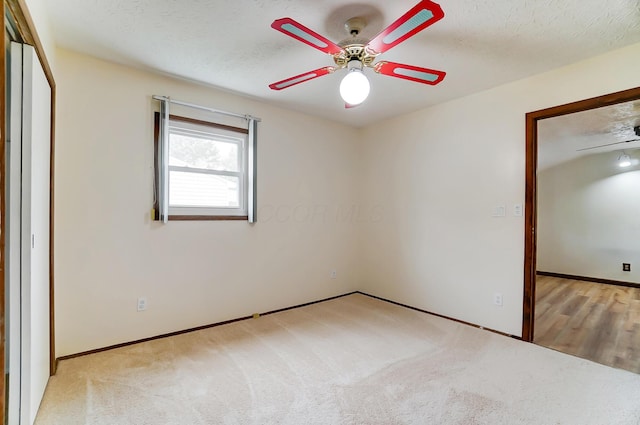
352, 360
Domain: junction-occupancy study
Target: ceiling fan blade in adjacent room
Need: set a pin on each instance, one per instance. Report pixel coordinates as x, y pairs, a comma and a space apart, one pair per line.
307, 76
301, 33
608, 144
409, 72
415, 20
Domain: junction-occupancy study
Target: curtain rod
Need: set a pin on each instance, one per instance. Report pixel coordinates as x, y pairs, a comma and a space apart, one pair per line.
216, 111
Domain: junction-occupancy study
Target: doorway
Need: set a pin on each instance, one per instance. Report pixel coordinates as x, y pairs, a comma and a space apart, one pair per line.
535, 131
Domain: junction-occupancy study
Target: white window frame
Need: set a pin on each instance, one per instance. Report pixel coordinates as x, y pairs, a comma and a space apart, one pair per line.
218, 134
185, 125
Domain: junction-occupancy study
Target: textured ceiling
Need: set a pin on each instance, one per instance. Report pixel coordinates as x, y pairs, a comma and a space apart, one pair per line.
230, 45
606, 129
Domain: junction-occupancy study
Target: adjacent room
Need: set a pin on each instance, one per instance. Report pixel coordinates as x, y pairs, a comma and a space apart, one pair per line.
276, 212
587, 292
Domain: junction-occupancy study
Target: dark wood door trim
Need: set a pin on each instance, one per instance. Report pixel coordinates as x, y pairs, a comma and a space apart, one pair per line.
531, 165
530, 213
3, 132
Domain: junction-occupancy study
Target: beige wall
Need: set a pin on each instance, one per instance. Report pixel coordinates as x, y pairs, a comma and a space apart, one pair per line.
588, 218
108, 252
441, 171
401, 209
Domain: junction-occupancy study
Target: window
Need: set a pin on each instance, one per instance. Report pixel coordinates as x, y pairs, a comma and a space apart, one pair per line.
207, 170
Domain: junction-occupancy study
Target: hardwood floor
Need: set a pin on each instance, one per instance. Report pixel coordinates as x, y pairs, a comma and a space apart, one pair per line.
594, 321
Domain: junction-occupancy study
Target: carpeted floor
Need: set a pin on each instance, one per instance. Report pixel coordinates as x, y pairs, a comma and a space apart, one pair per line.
352, 360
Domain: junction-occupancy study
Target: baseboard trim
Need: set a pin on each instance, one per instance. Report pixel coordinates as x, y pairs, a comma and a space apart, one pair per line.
226, 322
197, 328
589, 279
440, 315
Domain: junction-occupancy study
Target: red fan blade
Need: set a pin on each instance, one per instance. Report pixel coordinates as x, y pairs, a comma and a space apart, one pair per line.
302, 78
408, 72
350, 106
421, 16
301, 33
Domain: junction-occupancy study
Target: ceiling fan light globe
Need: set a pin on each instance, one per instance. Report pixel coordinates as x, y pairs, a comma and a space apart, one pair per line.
354, 87
624, 161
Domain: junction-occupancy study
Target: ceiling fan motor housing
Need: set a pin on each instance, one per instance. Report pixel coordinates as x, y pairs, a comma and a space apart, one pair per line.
354, 52
354, 26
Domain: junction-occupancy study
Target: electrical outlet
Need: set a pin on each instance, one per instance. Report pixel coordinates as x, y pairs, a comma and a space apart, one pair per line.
497, 299
334, 274
626, 267
142, 303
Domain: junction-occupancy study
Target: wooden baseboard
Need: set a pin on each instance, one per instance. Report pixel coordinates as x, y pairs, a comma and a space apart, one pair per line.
198, 328
589, 279
440, 315
226, 322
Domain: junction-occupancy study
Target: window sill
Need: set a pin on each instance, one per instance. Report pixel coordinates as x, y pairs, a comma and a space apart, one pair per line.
207, 218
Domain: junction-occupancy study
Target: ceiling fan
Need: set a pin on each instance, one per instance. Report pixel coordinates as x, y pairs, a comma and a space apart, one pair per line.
356, 54
636, 130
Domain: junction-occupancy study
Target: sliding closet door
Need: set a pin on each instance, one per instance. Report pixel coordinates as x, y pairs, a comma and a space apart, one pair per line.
13, 242
34, 191
36, 128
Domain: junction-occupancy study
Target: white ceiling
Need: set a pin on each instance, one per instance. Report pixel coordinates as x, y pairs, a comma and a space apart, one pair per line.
605, 129
230, 45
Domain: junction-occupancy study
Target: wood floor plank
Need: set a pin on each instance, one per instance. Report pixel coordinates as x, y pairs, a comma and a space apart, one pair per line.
596, 321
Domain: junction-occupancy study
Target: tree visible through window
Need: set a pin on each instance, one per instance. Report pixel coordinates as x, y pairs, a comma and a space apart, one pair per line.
203, 152
207, 169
